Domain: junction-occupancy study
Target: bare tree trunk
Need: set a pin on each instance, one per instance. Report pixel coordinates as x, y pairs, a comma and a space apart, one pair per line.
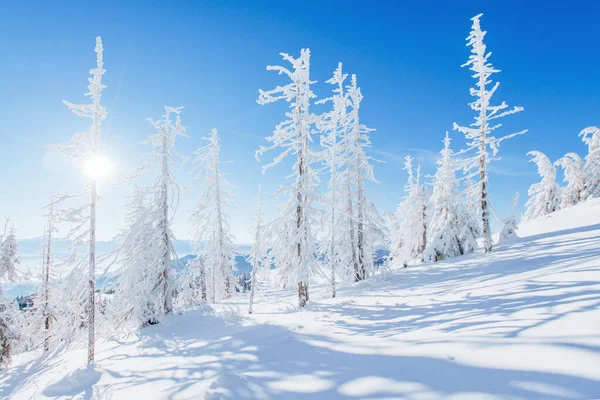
202, 280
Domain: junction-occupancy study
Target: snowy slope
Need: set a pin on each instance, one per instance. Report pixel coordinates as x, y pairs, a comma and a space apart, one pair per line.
520, 323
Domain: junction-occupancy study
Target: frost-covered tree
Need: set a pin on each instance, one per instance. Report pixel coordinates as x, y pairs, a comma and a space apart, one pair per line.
444, 229
294, 251
369, 226
544, 196
84, 149
258, 254
479, 133
166, 193
209, 220
139, 290
409, 239
334, 124
509, 231
9, 258
591, 137
144, 290
574, 174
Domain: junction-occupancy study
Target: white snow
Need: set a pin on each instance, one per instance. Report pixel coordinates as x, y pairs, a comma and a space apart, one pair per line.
522, 322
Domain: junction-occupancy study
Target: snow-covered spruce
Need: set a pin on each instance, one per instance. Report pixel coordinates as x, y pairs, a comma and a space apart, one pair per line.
293, 241
544, 196
591, 137
84, 149
144, 288
334, 126
409, 238
359, 169
574, 174
210, 224
444, 230
478, 134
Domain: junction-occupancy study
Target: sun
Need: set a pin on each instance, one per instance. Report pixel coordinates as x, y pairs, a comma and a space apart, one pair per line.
97, 167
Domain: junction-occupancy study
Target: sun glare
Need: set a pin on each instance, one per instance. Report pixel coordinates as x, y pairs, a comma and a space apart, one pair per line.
97, 167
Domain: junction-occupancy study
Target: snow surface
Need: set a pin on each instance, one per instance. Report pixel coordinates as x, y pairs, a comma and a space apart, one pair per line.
520, 323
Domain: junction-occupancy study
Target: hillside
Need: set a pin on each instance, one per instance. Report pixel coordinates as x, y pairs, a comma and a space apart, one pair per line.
522, 322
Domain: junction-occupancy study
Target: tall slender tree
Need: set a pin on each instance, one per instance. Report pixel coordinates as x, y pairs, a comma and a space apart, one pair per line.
166, 196
478, 134
334, 124
209, 220
84, 148
368, 222
295, 252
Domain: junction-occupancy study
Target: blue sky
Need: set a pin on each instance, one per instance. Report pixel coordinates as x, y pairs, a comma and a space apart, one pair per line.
210, 57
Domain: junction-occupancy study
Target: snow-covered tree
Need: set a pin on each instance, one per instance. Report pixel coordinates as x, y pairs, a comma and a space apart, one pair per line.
574, 174
444, 230
544, 196
409, 239
209, 221
139, 290
334, 124
9, 258
369, 225
294, 251
84, 149
591, 137
144, 289
478, 134
258, 255
509, 231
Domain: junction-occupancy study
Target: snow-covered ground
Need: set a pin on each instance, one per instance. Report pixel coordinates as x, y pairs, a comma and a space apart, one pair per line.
522, 322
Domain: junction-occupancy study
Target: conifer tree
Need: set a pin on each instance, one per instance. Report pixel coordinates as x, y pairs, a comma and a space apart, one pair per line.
209, 220
444, 231
294, 252
478, 134
544, 196
575, 176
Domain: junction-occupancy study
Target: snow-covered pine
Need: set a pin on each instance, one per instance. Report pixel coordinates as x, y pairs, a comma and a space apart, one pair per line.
210, 222
334, 125
294, 251
444, 230
591, 137
84, 149
478, 134
574, 174
165, 194
369, 224
258, 254
410, 237
9, 258
544, 196
139, 295
509, 231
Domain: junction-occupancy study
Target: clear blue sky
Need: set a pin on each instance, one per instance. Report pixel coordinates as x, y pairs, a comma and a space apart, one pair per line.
211, 58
